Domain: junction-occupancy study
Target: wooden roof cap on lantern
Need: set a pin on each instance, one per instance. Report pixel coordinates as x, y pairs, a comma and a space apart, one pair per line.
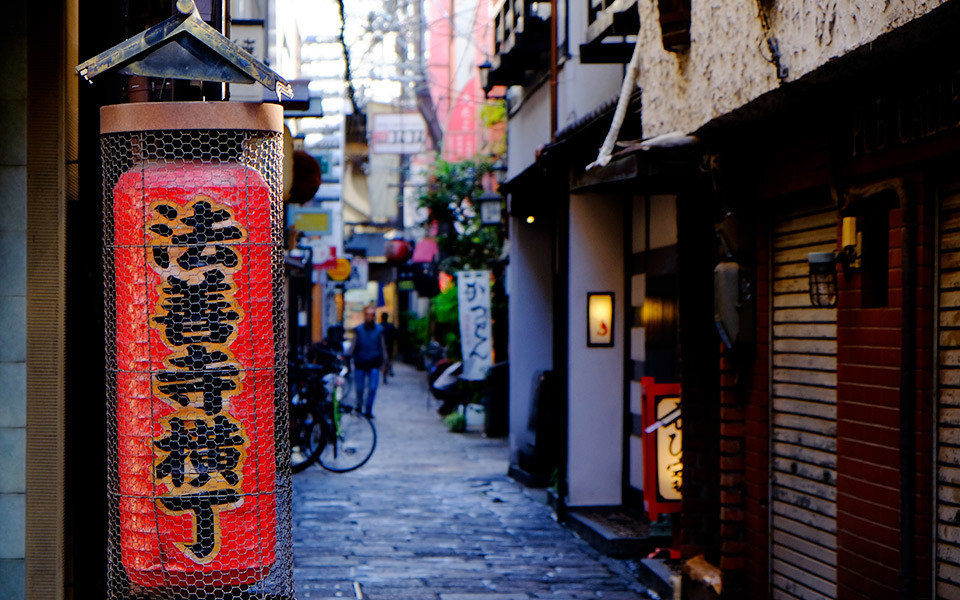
184, 47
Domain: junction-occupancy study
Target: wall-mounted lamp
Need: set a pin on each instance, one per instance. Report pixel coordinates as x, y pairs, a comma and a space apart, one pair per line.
823, 279
491, 208
823, 266
599, 319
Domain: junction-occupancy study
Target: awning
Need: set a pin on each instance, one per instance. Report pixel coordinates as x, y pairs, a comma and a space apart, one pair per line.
646, 170
425, 250
366, 244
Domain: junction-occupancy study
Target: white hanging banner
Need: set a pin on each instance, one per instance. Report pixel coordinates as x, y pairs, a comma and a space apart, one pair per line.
476, 331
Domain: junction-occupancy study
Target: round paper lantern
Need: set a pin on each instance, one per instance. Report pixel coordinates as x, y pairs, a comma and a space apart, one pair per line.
397, 251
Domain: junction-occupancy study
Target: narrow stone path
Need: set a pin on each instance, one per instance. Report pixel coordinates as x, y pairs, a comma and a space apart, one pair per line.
433, 516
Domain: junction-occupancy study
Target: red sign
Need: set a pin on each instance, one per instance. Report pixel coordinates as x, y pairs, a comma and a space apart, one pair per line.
662, 447
195, 375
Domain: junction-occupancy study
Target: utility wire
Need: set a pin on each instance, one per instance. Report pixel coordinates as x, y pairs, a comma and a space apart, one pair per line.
351, 90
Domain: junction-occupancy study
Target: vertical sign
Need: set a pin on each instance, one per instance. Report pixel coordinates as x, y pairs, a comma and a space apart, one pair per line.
195, 386
669, 449
476, 332
251, 35
662, 447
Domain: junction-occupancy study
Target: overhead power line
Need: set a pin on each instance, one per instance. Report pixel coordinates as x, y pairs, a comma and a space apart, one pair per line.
351, 90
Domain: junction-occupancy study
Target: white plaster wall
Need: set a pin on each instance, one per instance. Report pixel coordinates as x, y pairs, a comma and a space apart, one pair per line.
811, 33
527, 130
595, 375
723, 68
726, 64
581, 88
530, 284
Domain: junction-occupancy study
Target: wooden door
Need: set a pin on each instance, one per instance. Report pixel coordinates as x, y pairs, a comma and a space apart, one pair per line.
803, 420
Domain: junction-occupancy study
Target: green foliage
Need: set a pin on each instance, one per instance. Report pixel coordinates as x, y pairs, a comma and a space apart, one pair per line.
417, 329
444, 313
444, 307
493, 113
456, 422
463, 240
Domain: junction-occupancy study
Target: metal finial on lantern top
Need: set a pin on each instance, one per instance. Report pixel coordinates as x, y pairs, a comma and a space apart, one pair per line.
184, 47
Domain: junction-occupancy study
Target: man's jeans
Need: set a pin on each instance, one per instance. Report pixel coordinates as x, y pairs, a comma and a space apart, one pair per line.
360, 383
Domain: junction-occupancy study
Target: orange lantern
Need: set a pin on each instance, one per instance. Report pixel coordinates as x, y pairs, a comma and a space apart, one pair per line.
198, 367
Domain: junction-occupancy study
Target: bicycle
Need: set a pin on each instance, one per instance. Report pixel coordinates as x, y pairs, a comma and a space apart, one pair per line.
322, 428
351, 438
308, 429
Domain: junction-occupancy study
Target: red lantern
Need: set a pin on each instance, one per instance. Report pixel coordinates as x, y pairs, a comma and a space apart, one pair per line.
397, 251
195, 361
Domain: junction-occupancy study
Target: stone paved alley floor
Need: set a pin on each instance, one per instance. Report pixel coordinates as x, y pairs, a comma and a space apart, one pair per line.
433, 516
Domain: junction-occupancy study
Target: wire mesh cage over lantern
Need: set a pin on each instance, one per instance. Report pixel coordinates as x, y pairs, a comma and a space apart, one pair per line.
199, 481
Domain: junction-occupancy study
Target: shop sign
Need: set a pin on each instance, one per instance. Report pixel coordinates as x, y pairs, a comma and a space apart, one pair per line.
311, 221
476, 333
910, 114
340, 270
398, 133
662, 447
195, 386
251, 36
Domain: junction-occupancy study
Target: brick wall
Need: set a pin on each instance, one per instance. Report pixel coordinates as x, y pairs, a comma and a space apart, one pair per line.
744, 427
868, 421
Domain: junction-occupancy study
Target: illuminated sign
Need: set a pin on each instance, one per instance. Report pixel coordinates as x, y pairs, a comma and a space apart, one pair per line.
599, 319
662, 447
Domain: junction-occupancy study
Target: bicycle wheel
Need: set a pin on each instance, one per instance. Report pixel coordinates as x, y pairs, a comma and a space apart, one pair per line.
353, 447
307, 436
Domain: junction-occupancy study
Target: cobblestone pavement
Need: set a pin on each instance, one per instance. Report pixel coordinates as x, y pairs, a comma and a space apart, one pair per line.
433, 516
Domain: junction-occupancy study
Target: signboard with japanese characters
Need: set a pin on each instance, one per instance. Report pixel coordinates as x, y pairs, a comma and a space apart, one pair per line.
196, 458
669, 448
476, 328
251, 35
398, 133
662, 447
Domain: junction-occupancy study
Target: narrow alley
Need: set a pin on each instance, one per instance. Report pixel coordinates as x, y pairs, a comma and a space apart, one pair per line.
434, 516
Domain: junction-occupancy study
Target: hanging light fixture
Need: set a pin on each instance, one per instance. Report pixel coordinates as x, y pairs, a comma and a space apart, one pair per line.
490, 205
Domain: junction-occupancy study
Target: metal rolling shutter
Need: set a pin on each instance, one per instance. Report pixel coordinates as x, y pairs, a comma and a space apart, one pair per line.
948, 403
803, 435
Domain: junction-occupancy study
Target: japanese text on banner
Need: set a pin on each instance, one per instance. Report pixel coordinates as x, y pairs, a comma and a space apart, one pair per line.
476, 332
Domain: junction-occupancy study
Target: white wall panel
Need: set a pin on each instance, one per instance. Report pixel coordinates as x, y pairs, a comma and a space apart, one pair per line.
595, 384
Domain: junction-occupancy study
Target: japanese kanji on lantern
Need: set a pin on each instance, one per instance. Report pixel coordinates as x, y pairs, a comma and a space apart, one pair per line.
199, 479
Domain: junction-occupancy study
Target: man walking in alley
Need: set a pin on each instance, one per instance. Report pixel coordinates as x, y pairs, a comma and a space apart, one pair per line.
369, 355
